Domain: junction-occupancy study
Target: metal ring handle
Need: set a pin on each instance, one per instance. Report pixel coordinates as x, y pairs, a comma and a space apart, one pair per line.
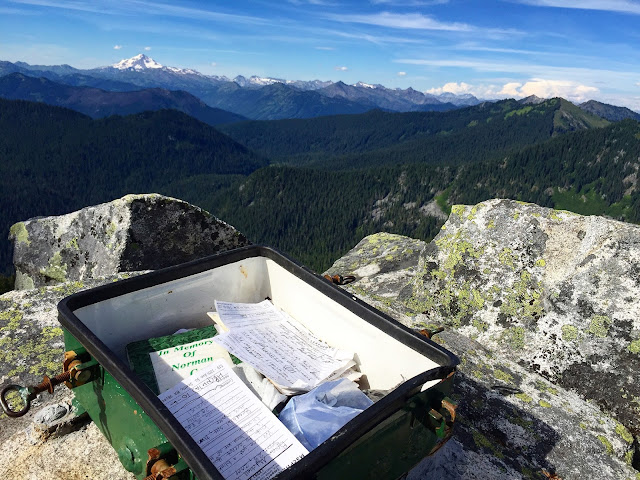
5, 405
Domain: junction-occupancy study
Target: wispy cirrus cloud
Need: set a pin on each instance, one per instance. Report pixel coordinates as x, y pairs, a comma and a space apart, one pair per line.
117, 47
325, 48
402, 74
370, 38
411, 21
528, 69
410, 3
133, 7
341, 69
16, 11
622, 6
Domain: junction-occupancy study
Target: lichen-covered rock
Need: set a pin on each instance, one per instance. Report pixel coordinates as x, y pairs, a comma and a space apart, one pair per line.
31, 345
514, 421
555, 291
136, 232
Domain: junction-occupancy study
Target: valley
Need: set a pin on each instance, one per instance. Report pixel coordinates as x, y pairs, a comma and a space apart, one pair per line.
312, 187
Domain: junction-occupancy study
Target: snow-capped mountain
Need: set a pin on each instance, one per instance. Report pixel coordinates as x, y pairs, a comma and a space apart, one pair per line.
255, 81
366, 85
141, 63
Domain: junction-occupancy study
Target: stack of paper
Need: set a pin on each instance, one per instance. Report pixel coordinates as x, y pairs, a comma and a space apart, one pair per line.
278, 346
240, 436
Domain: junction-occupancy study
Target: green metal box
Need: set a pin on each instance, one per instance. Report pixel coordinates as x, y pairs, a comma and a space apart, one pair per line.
385, 441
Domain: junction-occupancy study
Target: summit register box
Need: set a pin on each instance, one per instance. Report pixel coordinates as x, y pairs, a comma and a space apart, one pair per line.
410, 421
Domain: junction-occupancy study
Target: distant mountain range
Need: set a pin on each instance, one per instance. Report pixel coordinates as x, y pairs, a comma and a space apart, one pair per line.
257, 98
98, 103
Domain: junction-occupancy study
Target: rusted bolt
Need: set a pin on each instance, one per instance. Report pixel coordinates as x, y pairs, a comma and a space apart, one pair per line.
339, 279
29, 393
425, 332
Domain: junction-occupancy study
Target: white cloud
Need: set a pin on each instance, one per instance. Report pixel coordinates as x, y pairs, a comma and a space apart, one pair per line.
511, 90
147, 48
623, 6
550, 88
117, 47
452, 87
402, 74
213, 64
341, 69
325, 48
415, 21
638, 84
542, 88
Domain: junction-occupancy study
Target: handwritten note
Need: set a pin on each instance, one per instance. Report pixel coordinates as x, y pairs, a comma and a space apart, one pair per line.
240, 436
174, 364
240, 315
279, 347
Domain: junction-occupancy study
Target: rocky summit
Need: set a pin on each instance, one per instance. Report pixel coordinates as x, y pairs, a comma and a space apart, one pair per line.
537, 303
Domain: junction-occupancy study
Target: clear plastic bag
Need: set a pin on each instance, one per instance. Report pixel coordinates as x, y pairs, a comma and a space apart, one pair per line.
318, 414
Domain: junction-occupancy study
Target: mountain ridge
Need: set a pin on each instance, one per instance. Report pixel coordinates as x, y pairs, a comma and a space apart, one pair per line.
98, 103
131, 74
219, 91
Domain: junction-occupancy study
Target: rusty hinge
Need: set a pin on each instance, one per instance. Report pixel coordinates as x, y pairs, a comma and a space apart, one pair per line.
442, 421
158, 464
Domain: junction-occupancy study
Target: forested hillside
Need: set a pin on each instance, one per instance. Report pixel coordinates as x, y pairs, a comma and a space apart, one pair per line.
316, 216
378, 138
55, 160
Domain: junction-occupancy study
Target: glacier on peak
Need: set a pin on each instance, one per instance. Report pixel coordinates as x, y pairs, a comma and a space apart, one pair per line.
139, 62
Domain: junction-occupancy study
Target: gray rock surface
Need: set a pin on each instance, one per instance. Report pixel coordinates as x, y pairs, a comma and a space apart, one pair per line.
135, 232
540, 305
555, 291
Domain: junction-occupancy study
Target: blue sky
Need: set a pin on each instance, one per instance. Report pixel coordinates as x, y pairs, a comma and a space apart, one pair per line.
578, 49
